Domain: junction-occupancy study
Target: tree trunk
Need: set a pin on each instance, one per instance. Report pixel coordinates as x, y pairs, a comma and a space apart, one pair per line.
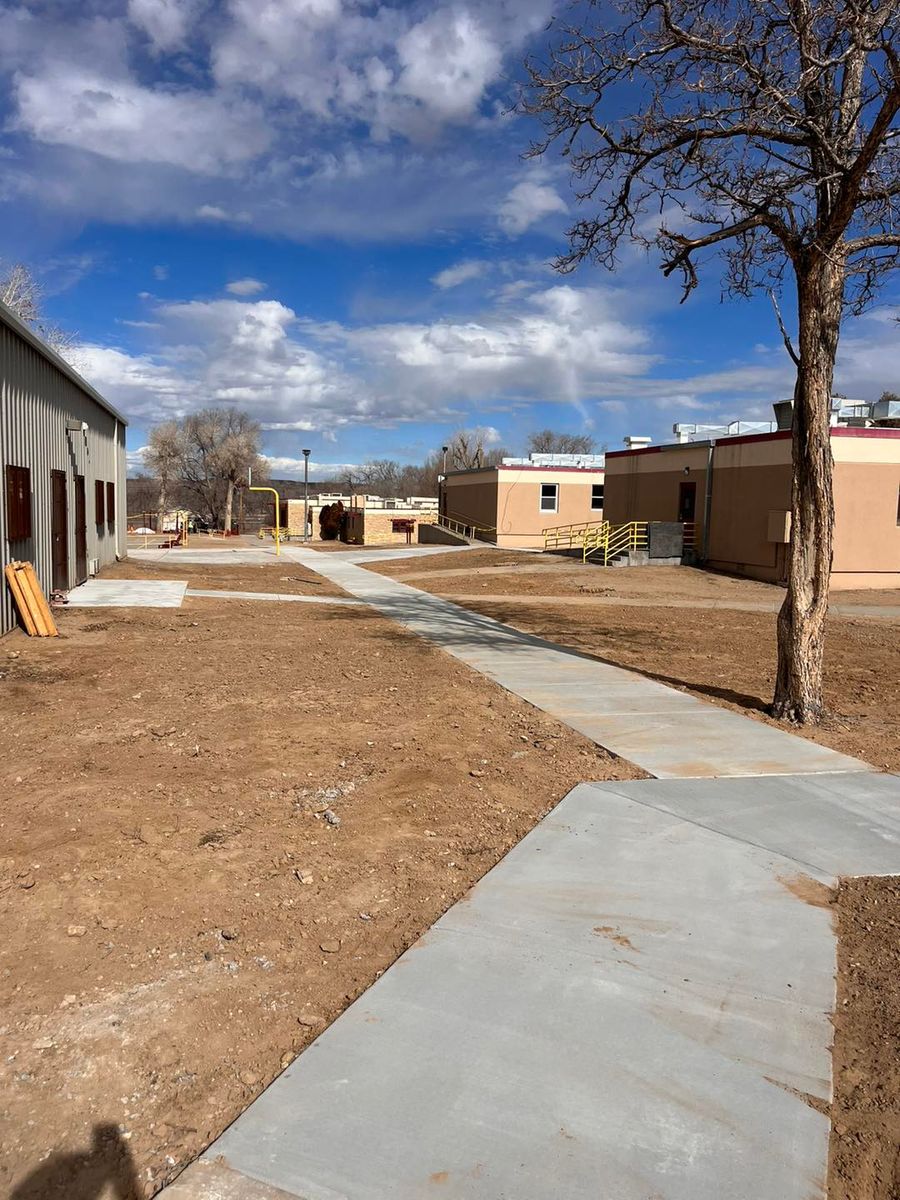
801, 621
162, 506
229, 505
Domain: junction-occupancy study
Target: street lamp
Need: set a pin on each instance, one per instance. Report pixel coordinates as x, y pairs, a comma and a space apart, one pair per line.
306, 495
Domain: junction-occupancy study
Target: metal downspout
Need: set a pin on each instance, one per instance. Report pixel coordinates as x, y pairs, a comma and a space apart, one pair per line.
707, 503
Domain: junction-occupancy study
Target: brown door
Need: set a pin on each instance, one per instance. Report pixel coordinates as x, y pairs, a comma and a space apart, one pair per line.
687, 501
59, 530
80, 531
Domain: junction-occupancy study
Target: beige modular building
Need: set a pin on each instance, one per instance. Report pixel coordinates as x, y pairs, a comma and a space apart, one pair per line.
736, 493
513, 503
62, 451
370, 519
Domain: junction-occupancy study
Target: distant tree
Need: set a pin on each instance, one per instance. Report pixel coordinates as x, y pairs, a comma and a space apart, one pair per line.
203, 458
766, 129
330, 519
218, 446
545, 441
890, 397
467, 450
379, 477
163, 457
20, 291
143, 493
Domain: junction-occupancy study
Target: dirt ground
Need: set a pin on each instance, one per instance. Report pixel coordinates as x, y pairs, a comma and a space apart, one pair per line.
220, 824
864, 1159
723, 655
286, 577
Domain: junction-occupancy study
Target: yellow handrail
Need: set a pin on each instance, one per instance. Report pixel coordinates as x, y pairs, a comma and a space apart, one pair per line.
617, 539
558, 537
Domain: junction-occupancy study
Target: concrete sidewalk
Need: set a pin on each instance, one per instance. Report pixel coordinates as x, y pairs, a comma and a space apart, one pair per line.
634, 1003
667, 732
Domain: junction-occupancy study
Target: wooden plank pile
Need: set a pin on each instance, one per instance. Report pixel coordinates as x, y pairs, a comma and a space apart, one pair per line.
30, 600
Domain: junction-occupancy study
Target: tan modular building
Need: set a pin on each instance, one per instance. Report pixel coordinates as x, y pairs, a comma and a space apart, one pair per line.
369, 520
736, 492
62, 452
512, 504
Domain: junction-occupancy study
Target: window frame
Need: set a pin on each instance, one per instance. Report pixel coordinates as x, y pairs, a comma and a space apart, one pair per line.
99, 502
542, 508
110, 504
594, 506
19, 514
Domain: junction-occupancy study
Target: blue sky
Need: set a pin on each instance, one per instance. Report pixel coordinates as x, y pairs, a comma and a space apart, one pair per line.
318, 210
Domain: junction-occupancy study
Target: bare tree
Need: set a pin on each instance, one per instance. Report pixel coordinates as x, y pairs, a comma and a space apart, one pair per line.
205, 457
545, 441
163, 457
20, 291
764, 129
467, 450
217, 447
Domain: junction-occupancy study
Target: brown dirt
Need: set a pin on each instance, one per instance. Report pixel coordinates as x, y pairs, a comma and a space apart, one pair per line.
164, 775
864, 1158
691, 639
283, 578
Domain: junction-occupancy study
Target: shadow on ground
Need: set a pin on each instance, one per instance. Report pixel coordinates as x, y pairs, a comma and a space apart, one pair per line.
104, 1172
497, 632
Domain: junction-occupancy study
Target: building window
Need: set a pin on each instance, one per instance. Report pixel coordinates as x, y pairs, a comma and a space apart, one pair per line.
549, 497
99, 502
596, 495
111, 503
18, 503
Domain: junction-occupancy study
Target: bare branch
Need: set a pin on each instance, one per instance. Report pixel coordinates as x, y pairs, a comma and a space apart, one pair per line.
788, 345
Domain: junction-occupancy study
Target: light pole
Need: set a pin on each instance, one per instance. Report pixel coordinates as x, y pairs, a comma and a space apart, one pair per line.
442, 485
306, 495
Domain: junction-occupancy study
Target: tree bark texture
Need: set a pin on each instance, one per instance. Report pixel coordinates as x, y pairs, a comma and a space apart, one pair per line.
229, 506
801, 621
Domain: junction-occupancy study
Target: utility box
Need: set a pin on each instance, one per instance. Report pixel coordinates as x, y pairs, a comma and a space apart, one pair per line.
779, 529
666, 539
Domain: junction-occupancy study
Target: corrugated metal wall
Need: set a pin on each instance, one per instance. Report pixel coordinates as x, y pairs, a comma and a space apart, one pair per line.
37, 398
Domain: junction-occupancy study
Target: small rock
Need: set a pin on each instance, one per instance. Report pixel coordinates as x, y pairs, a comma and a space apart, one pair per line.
77, 930
304, 876
230, 935
13, 654
25, 881
44, 1043
286, 1059
331, 817
476, 774
250, 1078
159, 732
330, 947
396, 745
67, 1000
309, 1020
365, 917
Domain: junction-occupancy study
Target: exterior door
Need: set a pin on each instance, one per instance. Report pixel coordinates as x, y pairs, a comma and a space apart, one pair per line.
80, 530
687, 501
59, 530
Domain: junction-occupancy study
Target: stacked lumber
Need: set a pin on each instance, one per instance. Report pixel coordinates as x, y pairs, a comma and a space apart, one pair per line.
30, 601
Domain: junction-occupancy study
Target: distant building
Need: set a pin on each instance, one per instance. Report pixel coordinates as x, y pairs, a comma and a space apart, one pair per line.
733, 491
62, 450
369, 519
514, 503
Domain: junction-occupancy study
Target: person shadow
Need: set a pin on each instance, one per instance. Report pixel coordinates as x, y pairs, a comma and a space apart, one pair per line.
105, 1172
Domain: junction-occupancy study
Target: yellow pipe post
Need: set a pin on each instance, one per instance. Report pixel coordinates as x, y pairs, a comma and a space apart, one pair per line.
277, 516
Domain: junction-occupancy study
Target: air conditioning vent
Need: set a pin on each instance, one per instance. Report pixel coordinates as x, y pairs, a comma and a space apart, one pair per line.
93, 566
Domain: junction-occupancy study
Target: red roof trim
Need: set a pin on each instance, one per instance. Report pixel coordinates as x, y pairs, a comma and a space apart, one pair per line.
745, 439
853, 431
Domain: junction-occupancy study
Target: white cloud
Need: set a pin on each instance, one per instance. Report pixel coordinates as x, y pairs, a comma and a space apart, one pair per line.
282, 467
119, 119
528, 202
245, 287
160, 272
212, 212
561, 344
165, 22
462, 272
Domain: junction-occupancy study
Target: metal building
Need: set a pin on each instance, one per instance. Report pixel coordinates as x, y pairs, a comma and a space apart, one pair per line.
62, 455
